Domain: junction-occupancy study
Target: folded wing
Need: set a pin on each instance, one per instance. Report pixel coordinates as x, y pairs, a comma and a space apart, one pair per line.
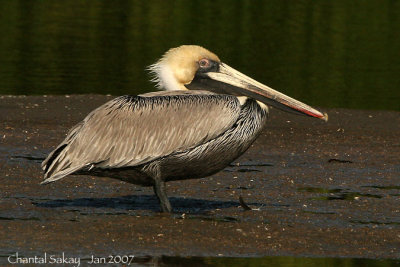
132, 130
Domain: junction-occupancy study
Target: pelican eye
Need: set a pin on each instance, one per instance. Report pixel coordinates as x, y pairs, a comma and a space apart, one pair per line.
204, 63
207, 65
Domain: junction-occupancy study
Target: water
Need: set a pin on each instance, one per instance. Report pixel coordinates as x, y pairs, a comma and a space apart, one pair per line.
237, 262
326, 53
276, 261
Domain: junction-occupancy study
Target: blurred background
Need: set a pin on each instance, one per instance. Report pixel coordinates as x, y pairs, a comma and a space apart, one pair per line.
326, 53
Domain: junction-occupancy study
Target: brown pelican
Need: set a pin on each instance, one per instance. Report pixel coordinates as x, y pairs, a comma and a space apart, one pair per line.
208, 116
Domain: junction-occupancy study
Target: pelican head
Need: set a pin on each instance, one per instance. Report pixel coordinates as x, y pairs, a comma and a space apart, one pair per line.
192, 67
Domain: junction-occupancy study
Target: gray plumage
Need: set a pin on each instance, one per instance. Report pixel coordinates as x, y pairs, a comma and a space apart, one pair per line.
195, 134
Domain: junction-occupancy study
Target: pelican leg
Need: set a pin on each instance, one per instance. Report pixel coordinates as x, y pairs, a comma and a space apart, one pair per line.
159, 190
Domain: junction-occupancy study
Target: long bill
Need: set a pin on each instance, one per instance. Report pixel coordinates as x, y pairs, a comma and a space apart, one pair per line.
232, 81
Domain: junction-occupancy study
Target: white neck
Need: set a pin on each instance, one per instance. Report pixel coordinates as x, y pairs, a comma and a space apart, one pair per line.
164, 77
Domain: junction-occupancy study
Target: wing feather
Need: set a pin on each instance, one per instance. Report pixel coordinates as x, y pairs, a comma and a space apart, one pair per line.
132, 130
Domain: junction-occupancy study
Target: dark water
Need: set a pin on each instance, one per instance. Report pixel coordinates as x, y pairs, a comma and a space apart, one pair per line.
327, 53
236, 262
277, 261
262, 261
